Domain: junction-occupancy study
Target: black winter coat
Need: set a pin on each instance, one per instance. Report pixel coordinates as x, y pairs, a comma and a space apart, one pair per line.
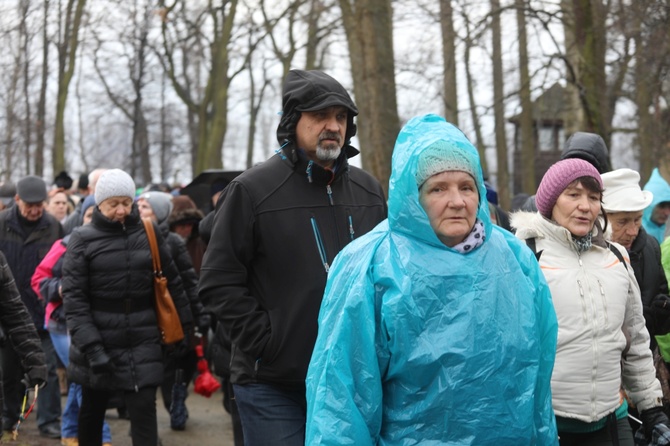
278, 227
109, 299
24, 251
18, 327
645, 257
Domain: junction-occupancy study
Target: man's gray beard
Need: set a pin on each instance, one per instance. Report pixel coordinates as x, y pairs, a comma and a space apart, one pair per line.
327, 154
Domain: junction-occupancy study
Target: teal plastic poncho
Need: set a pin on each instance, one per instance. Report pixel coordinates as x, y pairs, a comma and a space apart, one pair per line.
420, 344
661, 190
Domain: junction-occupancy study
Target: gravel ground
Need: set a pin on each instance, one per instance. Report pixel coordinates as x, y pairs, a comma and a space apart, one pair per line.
208, 425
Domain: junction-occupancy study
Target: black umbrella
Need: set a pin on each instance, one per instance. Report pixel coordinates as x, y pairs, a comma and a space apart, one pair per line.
200, 189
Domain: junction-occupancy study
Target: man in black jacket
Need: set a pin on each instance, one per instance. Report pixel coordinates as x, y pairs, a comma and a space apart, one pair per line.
278, 227
26, 235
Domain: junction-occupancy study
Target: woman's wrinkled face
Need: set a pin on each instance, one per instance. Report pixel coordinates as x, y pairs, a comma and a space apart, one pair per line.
450, 200
576, 209
116, 208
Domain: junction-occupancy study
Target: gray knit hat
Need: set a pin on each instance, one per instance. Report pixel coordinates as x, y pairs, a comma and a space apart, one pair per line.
160, 202
114, 183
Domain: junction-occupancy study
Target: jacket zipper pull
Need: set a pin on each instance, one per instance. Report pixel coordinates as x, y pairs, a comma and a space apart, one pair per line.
330, 194
351, 228
309, 171
319, 245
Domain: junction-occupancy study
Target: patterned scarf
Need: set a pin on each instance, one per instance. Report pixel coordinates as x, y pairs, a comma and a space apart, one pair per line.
583, 244
476, 237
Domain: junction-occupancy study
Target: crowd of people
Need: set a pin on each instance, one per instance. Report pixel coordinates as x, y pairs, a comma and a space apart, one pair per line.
335, 316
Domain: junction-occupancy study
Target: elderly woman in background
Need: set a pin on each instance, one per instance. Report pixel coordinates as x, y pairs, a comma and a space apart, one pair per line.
437, 326
108, 294
158, 207
603, 343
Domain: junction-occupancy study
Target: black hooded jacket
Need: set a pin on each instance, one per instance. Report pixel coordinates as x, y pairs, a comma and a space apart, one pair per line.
589, 147
277, 228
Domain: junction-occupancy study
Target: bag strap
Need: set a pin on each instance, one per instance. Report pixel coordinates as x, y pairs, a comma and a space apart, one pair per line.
617, 253
155, 256
531, 244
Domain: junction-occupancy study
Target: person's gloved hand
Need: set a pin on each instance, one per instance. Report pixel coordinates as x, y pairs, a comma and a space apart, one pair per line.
204, 322
35, 376
182, 347
651, 418
98, 359
661, 310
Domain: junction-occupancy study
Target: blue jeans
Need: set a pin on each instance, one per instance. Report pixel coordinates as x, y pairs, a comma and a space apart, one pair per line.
70, 417
270, 415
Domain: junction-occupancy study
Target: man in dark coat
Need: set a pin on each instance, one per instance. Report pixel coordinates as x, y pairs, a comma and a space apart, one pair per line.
17, 327
26, 235
279, 226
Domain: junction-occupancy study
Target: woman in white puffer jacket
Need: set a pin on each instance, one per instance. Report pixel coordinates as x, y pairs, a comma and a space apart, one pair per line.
603, 343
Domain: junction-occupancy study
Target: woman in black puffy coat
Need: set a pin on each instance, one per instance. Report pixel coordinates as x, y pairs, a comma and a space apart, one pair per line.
109, 305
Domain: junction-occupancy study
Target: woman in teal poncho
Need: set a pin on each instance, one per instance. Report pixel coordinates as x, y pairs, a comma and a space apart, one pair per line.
436, 327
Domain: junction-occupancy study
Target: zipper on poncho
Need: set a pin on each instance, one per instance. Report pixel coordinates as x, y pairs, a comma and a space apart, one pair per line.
319, 245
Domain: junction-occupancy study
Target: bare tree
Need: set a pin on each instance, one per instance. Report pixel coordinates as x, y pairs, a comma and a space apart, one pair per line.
369, 28
41, 104
499, 108
211, 109
526, 119
133, 40
450, 96
67, 56
468, 43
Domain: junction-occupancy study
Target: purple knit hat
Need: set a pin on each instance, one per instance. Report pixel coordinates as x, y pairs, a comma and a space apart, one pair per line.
558, 177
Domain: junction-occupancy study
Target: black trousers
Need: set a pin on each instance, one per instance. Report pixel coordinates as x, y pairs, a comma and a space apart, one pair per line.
141, 407
603, 437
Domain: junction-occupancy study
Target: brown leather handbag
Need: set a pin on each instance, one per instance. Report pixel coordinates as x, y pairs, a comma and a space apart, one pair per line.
166, 312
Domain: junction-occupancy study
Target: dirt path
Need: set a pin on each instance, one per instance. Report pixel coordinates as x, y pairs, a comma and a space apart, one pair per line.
208, 425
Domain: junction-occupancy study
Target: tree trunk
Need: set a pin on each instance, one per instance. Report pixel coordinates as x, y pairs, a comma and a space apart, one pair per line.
586, 41
499, 108
28, 121
450, 96
67, 58
527, 137
41, 104
369, 29
476, 123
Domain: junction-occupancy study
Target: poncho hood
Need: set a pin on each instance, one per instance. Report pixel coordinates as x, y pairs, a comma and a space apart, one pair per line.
661, 190
405, 212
